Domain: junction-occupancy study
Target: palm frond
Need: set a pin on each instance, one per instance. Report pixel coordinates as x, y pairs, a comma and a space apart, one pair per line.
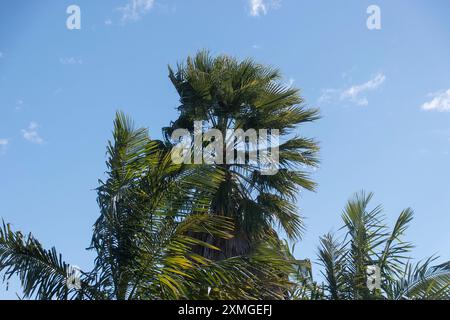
333, 257
42, 273
423, 281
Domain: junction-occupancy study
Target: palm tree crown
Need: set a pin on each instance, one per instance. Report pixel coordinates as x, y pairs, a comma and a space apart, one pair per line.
227, 94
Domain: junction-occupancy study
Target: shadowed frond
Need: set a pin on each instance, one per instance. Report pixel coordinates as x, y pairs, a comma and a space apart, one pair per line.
42, 273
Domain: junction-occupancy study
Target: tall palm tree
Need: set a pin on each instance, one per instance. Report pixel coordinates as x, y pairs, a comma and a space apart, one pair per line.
150, 211
227, 94
369, 242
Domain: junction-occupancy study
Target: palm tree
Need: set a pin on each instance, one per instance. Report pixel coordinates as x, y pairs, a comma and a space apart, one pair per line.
150, 211
369, 242
227, 94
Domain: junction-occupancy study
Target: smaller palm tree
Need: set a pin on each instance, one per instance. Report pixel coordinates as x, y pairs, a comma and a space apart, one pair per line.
368, 242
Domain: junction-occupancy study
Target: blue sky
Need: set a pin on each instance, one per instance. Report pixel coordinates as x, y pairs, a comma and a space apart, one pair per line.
384, 97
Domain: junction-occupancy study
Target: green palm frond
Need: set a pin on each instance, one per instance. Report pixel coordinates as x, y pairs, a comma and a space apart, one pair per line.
422, 281
365, 233
262, 275
333, 257
395, 253
42, 273
146, 196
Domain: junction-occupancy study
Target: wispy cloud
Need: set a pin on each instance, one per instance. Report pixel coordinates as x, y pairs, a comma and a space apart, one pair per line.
135, 10
1, 54
57, 91
261, 7
19, 105
3, 144
440, 102
31, 133
328, 95
355, 93
70, 60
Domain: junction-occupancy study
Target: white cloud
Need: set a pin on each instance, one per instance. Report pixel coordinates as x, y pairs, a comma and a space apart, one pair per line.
70, 60
31, 133
327, 95
3, 144
354, 93
440, 102
19, 104
257, 7
1, 54
261, 7
135, 10
108, 22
